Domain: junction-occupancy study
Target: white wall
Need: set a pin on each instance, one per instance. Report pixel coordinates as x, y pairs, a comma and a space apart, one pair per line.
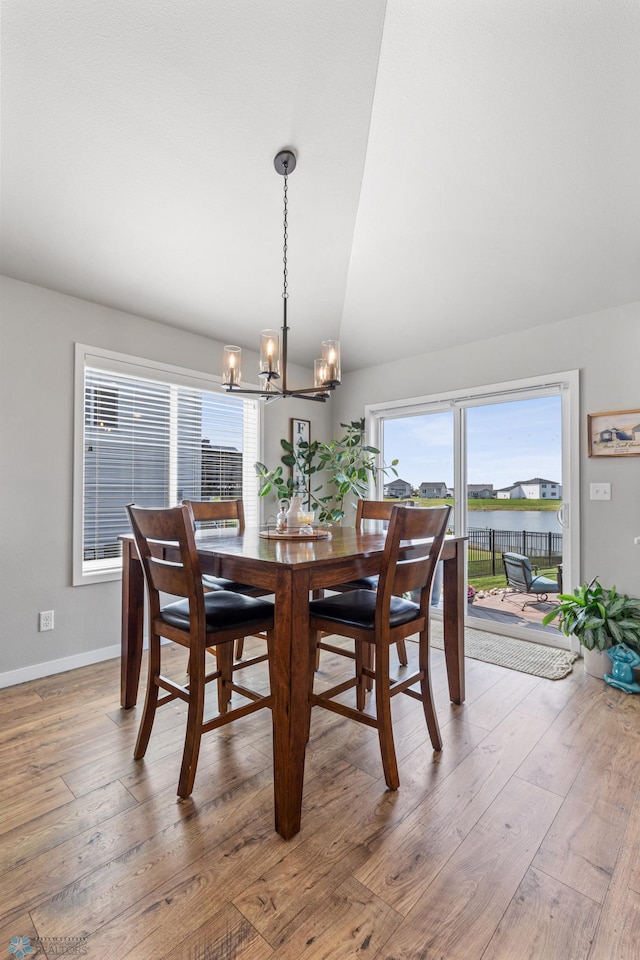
37, 338
605, 347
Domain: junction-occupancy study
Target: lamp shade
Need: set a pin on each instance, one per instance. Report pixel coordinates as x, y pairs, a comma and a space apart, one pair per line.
231, 369
331, 360
270, 354
319, 376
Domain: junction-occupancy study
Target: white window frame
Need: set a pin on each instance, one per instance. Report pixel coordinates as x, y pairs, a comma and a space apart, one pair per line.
566, 384
112, 361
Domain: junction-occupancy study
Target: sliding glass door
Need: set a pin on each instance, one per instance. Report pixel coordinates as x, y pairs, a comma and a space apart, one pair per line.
505, 458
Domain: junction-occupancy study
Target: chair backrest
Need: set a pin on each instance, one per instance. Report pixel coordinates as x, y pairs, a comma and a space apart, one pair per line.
411, 553
208, 512
156, 532
377, 509
517, 570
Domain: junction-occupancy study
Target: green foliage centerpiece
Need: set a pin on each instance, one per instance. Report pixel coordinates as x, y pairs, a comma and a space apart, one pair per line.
345, 467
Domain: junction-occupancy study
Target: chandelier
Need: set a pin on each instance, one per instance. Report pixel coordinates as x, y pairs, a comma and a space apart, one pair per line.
273, 351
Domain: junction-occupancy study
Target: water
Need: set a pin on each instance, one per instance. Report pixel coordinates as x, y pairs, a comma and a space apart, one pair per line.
534, 521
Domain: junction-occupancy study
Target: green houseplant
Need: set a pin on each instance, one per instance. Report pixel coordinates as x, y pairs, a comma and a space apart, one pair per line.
598, 618
333, 471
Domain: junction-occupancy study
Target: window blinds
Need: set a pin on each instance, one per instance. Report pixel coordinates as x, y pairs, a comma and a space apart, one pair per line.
157, 442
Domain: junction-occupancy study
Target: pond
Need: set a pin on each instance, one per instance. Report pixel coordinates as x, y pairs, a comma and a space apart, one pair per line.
534, 521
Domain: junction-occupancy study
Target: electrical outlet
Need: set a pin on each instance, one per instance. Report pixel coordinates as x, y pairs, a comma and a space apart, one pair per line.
46, 620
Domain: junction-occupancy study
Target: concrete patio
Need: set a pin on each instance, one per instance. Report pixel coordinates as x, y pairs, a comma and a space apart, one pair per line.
506, 607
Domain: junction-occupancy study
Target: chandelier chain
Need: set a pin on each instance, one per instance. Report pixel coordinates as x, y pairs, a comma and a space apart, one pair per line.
285, 290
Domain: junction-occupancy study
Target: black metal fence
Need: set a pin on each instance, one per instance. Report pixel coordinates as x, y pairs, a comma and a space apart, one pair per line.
486, 547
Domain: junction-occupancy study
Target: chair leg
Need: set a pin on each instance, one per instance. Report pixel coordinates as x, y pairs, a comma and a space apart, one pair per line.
314, 653
383, 714
317, 595
427, 694
363, 658
239, 648
401, 647
368, 659
151, 699
222, 690
224, 656
195, 716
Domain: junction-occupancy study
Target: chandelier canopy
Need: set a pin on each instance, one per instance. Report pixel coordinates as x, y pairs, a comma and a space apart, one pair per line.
273, 350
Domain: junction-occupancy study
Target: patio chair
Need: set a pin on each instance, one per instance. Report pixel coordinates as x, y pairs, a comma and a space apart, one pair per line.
522, 577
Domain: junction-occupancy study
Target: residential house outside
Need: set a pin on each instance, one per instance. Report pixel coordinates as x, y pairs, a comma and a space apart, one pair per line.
535, 489
480, 491
397, 488
221, 472
433, 490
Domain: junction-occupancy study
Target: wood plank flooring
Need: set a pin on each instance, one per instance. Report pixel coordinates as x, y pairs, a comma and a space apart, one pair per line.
521, 841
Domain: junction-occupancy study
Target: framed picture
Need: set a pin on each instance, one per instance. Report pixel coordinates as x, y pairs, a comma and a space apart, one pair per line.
300, 430
615, 434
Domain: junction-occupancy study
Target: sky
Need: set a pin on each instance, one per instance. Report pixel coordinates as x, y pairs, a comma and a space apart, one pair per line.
506, 442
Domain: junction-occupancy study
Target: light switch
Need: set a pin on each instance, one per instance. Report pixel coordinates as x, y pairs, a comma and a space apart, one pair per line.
600, 491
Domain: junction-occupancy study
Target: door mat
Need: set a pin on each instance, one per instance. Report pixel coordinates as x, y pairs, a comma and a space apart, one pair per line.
533, 658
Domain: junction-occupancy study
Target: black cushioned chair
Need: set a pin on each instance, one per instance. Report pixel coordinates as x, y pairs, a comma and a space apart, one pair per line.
165, 541
379, 510
214, 513
375, 619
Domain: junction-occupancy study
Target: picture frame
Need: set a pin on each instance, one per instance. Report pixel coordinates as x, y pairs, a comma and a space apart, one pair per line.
300, 430
614, 434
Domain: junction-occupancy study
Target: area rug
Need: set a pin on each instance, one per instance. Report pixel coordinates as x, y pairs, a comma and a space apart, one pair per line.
521, 655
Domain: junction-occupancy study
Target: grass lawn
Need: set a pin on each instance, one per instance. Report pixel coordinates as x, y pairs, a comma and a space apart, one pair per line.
496, 504
500, 581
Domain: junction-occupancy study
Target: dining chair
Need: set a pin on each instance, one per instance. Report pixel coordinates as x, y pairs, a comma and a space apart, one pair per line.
215, 512
370, 510
375, 619
165, 541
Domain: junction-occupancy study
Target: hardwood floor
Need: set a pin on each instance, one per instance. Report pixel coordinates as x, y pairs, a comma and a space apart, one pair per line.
521, 841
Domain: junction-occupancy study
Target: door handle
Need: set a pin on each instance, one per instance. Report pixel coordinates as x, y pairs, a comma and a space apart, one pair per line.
562, 514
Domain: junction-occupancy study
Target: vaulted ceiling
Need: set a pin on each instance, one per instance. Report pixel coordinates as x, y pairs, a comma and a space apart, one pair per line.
465, 167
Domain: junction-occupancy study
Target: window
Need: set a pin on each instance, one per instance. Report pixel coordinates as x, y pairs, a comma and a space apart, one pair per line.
152, 434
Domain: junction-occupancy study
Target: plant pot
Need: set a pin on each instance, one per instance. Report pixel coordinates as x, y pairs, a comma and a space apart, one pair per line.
596, 663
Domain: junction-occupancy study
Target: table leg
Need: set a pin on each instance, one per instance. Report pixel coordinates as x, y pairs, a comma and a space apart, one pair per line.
132, 625
290, 701
453, 622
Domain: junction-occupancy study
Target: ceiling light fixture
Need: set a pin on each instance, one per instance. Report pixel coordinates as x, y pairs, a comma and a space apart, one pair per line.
273, 362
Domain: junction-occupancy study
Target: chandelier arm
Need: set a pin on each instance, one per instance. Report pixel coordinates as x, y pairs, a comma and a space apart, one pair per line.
300, 391
231, 388
309, 393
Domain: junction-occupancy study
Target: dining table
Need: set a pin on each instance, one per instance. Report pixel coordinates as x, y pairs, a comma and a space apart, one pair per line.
292, 570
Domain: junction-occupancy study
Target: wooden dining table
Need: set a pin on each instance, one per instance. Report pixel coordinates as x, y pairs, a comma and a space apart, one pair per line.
290, 569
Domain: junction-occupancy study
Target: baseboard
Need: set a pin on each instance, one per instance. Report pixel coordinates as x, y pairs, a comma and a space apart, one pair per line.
38, 670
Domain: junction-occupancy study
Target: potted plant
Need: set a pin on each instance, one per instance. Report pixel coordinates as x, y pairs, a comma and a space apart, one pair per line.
598, 618
333, 471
